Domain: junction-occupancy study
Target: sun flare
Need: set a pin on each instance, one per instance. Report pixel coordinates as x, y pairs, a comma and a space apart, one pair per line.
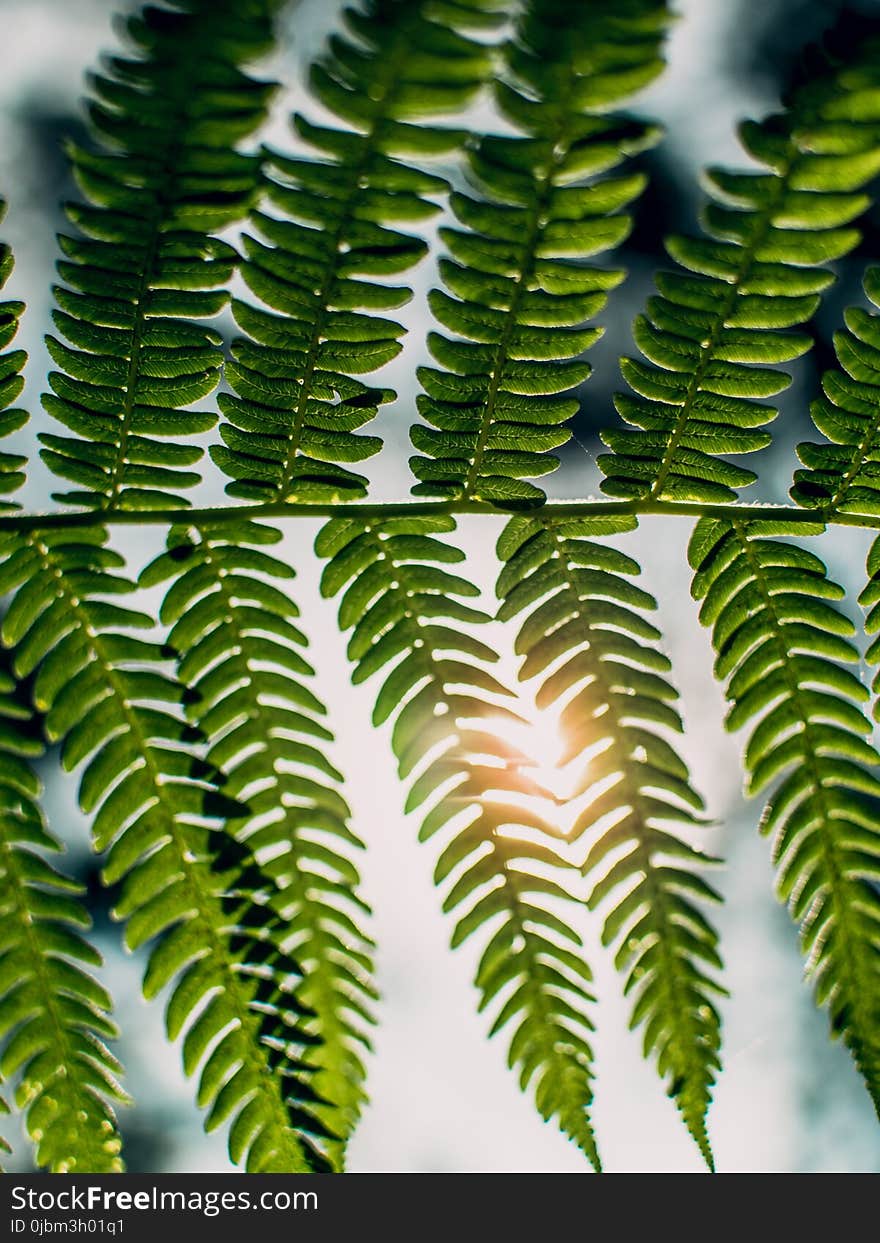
539, 739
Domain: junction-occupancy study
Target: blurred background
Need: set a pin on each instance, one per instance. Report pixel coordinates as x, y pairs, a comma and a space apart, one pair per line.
442, 1099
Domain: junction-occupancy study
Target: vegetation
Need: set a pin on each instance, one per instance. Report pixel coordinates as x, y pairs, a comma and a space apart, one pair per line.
198, 733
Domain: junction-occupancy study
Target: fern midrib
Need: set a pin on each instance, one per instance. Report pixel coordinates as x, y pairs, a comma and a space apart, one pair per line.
845, 948
203, 899
387, 82
67, 1059
678, 1006
707, 351
528, 957
169, 173
560, 150
114, 483
857, 461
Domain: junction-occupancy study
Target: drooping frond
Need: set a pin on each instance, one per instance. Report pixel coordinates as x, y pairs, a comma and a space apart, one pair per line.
500, 858
231, 616
54, 1014
165, 174
783, 648
585, 634
319, 264
186, 884
721, 321
517, 304
11, 382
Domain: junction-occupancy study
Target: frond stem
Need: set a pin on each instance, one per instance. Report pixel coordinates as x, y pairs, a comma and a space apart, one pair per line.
382, 510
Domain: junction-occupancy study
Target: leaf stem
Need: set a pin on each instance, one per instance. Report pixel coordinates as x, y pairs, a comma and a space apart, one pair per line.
382, 510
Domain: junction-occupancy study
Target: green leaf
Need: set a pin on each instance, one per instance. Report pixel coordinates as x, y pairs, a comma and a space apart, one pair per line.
843, 476
808, 742
55, 1014
11, 383
164, 174
328, 237
718, 327
262, 724
519, 302
584, 639
408, 623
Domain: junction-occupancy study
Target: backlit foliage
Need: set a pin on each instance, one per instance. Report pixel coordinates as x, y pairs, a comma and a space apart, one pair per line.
183, 693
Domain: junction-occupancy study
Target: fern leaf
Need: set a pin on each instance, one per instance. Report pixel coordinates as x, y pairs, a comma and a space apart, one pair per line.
783, 647
297, 403
723, 320
55, 1014
230, 614
165, 175
501, 859
842, 476
5, 1147
585, 634
11, 382
870, 601
518, 305
11, 473
186, 884
168, 173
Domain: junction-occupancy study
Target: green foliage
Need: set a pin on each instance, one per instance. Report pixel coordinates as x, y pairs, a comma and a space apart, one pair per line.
783, 648
231, 617
168, 173
500, 857
158, 814
55, 1014
586, 636
11, 382
518, 303
298, 403
4, 1144
165, 175
721, 322
842, 476
203, 747
870, 599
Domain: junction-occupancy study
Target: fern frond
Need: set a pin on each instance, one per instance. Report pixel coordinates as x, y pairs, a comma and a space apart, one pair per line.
586, 636
783, 648
869, 599
5, 1147
186, 883
231, 615
165, 175
720, 324
501, 858
519, 305
293, 420
55, 1014
11, 382
843, 476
